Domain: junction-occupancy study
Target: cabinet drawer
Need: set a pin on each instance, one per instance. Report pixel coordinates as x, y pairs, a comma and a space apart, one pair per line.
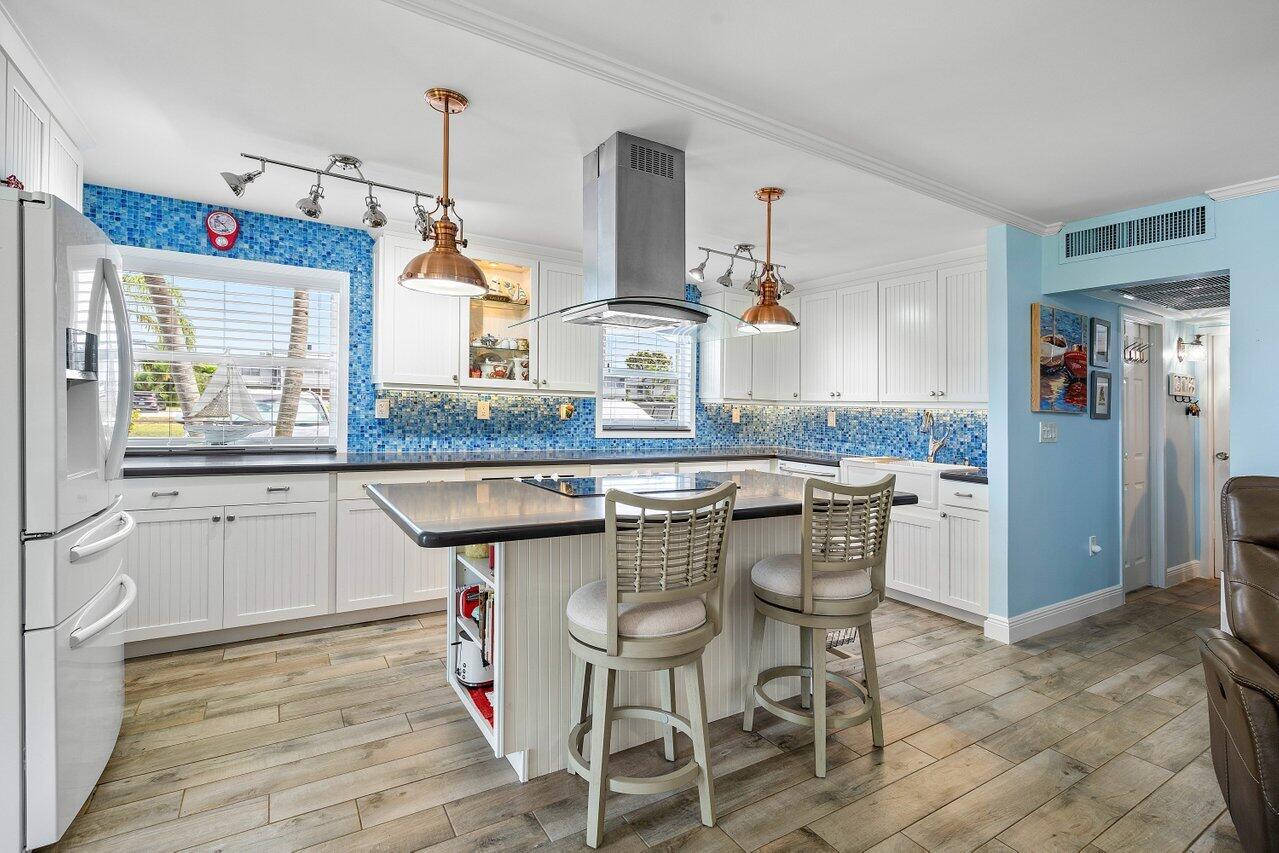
180, 492
638, 469
969, 495
546, 470
351, 485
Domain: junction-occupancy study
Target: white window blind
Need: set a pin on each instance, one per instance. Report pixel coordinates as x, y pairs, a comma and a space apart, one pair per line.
230, 362
646, 384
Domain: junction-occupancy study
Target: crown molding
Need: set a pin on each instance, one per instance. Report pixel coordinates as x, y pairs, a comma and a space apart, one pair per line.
958, 257
14, 43
585, 60
1247, 188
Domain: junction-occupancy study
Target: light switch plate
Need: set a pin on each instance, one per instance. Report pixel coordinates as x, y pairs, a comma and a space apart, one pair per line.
1047, 432
382, 409
830, 417
737, 414
482, 410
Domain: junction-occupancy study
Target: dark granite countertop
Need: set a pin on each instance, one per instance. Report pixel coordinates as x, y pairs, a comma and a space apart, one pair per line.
977, 475
441, 515
295, 462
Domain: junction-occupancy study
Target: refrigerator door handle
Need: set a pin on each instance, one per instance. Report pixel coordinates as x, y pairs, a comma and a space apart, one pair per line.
84, 634
126, 525
124, 348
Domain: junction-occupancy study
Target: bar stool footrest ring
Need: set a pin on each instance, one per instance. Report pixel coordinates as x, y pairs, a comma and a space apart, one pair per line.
672, 781
805, 718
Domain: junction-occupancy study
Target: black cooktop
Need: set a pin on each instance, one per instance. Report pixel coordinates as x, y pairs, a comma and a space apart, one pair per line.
636, 484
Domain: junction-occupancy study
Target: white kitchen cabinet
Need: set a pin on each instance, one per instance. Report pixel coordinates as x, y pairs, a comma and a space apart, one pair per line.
819, 347
175, 557
914, 552
26, 133
66, 167
764, 366
489, 331
624, 469
963, 312
789, 356
964, 550
727, 363
910, 331
568, 355
417, 336
378, 565
839, 345
276, 562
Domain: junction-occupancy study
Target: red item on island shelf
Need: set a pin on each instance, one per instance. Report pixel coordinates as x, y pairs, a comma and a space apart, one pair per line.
468, 599
492, 557
479, 695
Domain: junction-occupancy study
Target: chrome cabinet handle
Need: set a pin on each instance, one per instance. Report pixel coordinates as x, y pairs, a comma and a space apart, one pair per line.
169, 494
277, 488
944, 515
1222, 455
795, 395
216, 519
941, 393
963, 494
230, 518
454, 377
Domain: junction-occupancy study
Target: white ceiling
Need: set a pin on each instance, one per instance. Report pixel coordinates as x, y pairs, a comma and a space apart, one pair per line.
1024, 113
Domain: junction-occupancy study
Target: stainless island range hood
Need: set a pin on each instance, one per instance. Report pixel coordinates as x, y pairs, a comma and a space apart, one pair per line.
633, 240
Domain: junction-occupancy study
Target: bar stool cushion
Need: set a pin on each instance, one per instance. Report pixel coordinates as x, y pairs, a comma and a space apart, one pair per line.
587, 608
783, 575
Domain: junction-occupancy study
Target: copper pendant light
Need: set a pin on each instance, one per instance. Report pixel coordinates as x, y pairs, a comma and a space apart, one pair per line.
767, 314
443, 269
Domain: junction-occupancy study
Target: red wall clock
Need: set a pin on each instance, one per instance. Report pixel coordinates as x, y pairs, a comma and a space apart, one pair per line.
223, 229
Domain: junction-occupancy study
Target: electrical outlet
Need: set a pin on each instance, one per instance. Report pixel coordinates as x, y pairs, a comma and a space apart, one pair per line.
830, 417
737, 414
566, 411
1047, 432
382, 409
483, 410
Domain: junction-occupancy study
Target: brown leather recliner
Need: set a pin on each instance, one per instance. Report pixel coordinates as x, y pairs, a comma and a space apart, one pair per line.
1242, 671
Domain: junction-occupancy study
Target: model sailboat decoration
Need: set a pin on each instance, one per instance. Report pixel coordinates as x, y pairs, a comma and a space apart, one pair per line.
226, 412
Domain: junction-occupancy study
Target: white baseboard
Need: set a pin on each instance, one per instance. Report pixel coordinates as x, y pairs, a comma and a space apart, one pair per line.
935, 606
1184, 572
1025, 625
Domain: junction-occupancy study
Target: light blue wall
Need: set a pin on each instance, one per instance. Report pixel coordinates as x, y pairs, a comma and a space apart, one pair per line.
1046, 499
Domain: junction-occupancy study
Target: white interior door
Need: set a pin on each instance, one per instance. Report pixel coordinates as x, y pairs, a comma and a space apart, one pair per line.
1219, 437
1136, 462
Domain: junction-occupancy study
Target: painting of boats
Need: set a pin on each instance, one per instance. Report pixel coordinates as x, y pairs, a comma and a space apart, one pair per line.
1059, 353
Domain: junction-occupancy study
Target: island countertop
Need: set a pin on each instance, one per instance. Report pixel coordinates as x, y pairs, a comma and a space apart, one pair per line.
446, 514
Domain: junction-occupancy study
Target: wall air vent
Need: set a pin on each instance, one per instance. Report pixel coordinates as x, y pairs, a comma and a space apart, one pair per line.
652, 161
1143, 232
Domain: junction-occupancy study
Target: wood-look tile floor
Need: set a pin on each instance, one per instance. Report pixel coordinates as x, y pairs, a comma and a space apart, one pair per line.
1093, 736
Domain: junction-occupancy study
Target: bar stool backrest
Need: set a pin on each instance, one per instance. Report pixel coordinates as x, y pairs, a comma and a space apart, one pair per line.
845, 528
666, 549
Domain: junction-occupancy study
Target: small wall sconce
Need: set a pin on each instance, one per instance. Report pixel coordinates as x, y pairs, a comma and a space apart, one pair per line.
1195, 350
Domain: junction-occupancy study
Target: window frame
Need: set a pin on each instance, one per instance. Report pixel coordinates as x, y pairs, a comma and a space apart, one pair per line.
242, 271
664, 433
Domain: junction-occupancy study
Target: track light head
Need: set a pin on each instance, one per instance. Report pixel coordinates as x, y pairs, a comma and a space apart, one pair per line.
422, 221
698, 273
310, 203
726, 280
373, 215
238, 182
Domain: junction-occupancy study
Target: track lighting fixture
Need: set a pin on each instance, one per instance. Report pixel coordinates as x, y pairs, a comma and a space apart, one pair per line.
238, 182
443, 269
373, 215
726, 280
698, 273
422, 221
309, 204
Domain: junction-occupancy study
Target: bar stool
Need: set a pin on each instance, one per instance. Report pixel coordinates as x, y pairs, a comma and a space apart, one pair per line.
833, 584
656, 610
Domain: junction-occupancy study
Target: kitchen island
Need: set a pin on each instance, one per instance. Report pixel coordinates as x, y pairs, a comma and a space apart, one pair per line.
542, 546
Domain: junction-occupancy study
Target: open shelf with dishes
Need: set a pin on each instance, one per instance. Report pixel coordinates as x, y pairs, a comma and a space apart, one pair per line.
495, 354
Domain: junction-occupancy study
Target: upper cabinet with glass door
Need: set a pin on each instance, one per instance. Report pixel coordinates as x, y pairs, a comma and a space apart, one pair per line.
494, 355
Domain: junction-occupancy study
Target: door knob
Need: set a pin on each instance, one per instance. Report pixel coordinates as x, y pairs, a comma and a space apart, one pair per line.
1222, 455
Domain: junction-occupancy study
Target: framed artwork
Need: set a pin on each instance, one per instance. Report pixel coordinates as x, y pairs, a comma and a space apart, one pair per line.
1100, 396
1100, 343
1058, 360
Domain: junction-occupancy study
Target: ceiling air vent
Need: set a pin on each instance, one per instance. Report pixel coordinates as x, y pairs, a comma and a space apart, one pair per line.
652, 161
1190, 223
1186, 294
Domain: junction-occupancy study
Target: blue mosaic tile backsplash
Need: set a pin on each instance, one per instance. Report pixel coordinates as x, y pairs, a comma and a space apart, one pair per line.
446, 421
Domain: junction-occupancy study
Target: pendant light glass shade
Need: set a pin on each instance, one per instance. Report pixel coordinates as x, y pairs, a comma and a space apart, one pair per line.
443, 269
768, 315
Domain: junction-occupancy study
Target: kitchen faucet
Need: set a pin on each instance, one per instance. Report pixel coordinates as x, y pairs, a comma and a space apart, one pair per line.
935, 444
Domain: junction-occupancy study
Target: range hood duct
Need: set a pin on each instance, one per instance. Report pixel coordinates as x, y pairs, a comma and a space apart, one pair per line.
633, 237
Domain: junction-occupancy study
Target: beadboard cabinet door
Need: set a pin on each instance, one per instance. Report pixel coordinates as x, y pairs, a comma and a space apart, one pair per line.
964, 559
914, 553
417, 336
858, 344
175, 556
819, 347
910, 335
789, 357
963, 312
568, 355
26, 134
276, 562
379, 565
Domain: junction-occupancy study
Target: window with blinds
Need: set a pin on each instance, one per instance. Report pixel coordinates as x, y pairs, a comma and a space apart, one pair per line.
222, 362
646, 383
